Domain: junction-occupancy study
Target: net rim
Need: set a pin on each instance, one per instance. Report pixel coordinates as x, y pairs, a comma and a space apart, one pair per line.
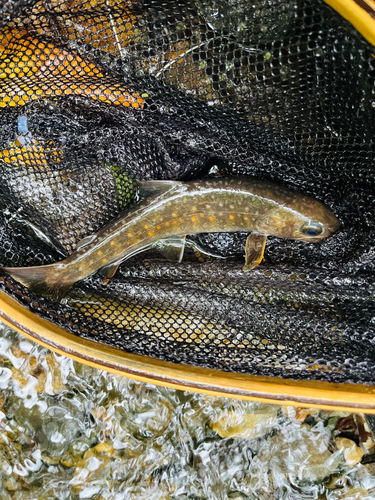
308, 394
360, 13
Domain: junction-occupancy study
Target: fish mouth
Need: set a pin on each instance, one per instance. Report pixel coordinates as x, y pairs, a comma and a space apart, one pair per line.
311, 239
333, 228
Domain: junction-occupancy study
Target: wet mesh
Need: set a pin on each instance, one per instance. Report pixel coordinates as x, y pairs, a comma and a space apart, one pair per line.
97, 94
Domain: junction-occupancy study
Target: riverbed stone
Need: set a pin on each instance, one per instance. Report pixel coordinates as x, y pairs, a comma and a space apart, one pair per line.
352, 453
236, 424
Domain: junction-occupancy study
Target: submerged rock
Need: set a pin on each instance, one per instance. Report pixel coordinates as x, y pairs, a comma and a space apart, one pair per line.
249, 425
353, 454
35, 373
298, 413
297, 455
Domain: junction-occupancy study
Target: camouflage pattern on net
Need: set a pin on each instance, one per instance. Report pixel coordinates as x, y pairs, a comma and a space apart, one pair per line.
115, 91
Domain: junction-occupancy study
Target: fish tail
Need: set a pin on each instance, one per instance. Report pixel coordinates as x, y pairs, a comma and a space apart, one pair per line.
47, 281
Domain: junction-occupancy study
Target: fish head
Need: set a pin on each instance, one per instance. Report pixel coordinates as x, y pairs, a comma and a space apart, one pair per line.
304, 219
316, 221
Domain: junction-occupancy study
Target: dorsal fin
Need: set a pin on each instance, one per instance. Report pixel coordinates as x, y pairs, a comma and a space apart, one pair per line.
149, 188
85, 241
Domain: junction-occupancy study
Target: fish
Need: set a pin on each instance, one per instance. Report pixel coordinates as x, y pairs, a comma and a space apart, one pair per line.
156, 320
170, 210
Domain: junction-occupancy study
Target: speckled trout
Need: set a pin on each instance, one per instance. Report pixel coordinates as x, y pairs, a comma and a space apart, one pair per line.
170, 210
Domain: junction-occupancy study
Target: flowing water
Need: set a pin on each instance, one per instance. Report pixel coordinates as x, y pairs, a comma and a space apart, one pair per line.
68, 431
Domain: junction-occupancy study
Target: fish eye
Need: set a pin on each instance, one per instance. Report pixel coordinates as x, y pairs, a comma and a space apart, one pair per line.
312, 228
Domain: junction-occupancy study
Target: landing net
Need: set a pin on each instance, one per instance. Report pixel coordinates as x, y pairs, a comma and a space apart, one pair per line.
97, 94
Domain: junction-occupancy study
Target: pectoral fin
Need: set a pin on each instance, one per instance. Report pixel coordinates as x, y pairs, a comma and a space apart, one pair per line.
107, 272
254, 250
172, 248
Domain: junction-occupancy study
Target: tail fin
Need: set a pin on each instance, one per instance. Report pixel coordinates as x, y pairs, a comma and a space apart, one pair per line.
47, 281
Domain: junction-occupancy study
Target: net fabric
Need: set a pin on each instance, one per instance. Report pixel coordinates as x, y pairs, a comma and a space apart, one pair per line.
96, 94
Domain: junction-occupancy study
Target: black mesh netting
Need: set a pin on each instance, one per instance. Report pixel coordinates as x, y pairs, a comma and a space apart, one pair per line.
95, 94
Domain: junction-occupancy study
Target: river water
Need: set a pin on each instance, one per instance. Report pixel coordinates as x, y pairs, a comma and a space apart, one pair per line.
68, 431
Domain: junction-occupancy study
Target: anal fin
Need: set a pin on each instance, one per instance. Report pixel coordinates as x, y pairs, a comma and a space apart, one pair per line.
254, 250
196, 247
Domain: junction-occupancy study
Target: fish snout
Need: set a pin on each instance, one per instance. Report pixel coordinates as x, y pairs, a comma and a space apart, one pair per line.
333, 225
